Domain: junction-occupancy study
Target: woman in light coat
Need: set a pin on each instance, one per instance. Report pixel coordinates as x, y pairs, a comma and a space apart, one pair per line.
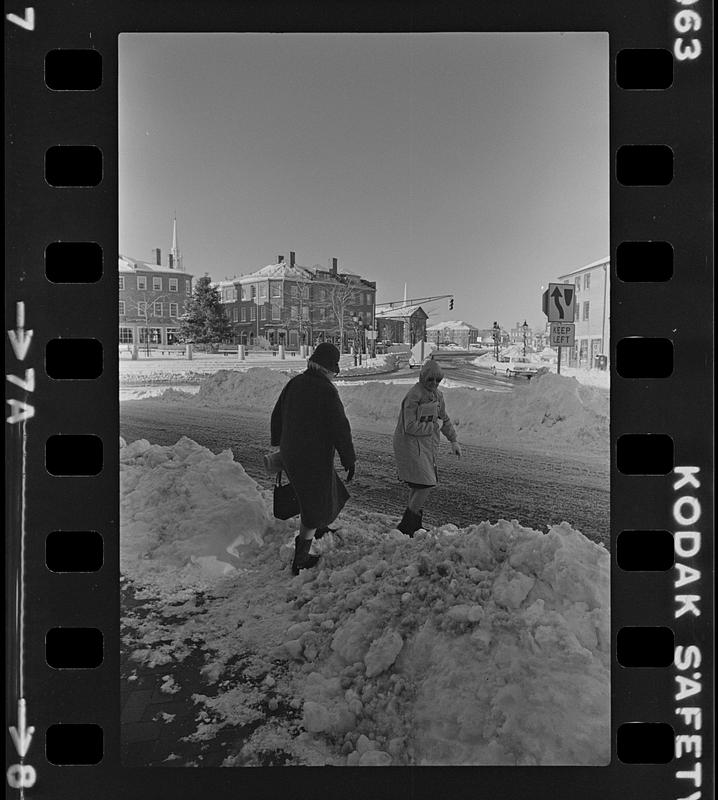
421, 419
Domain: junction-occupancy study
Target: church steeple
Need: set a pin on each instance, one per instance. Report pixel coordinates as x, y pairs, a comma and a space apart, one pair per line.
175, 254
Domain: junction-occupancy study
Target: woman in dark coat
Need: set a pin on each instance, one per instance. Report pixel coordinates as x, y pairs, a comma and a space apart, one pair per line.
421, 419
309, 425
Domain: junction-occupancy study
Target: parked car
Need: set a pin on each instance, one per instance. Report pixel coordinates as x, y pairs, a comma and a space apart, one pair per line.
515, 366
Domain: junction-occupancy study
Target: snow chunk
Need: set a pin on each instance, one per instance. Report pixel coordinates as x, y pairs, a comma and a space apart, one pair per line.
382, 653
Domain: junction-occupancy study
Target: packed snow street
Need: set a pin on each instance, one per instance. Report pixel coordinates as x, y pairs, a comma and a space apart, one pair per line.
484, 639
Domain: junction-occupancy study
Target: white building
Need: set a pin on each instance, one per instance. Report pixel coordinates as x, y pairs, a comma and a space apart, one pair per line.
593, 293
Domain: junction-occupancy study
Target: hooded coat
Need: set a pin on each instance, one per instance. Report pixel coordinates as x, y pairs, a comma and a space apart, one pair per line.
308, 424
422, 418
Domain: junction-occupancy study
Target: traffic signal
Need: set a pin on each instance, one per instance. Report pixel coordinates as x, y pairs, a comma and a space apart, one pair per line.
451, 304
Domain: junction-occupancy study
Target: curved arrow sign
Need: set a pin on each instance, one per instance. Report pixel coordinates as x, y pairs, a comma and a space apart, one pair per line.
562, 305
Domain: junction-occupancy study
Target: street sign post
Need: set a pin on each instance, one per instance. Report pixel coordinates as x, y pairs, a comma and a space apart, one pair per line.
559, 302
563, 335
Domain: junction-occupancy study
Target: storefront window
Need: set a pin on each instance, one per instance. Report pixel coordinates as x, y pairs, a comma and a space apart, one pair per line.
125, 335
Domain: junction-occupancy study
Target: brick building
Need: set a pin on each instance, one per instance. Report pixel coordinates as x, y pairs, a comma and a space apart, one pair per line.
592, 318
285, 303
152, 296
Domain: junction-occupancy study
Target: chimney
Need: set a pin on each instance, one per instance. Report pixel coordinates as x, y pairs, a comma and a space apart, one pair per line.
280, 259
158, 256
292, 256
334, 266
171, 261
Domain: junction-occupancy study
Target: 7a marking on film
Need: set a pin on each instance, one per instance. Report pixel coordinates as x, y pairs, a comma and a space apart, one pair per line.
20, 340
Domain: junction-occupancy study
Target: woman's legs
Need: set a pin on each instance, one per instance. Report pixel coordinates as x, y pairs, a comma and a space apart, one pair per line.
417, 498
305, 532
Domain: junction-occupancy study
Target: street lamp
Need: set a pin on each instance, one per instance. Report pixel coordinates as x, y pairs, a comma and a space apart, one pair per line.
525, 329
357, 342
497, 337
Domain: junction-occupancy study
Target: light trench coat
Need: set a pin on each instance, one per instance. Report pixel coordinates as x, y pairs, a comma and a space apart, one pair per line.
416, 437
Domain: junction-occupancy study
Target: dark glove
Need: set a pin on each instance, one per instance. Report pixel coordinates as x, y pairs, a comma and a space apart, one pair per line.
350, 473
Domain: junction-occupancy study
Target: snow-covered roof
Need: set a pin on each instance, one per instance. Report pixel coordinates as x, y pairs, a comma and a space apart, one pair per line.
593, 264
403, 312
454, 325
280, 270
127, 264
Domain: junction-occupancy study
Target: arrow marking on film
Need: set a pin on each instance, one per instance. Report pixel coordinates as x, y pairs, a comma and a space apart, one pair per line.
22, 735
20, 338
556, 294
27, 22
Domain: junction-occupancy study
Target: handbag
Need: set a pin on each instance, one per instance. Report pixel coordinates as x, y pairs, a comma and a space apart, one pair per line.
286, 504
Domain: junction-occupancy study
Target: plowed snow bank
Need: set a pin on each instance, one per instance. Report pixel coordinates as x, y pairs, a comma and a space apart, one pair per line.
550, 410
485, 645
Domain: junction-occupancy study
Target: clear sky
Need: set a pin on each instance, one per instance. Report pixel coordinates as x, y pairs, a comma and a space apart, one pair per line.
472, 164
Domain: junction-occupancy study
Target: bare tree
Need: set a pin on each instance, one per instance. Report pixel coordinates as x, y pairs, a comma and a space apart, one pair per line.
142, 310
339, 297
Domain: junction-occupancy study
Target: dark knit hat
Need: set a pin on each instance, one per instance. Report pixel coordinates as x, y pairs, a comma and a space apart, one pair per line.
327, 356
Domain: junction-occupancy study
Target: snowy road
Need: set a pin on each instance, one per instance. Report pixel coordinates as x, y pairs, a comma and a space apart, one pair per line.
488, 483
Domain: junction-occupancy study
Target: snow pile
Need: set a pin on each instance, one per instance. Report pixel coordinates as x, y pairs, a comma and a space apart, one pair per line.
483, 645
488, 645
255, 388
181, 507
550, 410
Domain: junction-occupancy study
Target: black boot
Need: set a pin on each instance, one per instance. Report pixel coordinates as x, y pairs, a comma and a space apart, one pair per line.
302, 557
410, 523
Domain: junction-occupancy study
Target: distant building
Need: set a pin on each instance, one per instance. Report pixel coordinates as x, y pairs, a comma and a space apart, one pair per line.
453, 332
517, 336
285, 303
593, 294
152, 296
401, 324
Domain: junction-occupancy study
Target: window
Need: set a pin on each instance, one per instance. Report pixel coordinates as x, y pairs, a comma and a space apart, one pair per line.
187, 289
122, 282
173, 309
252, 292
305, 312
157, 309
294, 312
244, 315
157, 284
125, 335
153, 334
276, 290
141, 308
322, 295
578, 283
585, 310
141, 282
172, 335
368, 299
253, 315
263, 290
244, 292
587, 281
263, 312
276, 312
122, 308
173, 284
235, 314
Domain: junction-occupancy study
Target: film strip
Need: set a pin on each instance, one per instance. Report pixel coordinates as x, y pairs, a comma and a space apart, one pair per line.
62, 520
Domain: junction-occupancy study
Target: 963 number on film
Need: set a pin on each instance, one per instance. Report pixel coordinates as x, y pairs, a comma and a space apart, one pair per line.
685, 21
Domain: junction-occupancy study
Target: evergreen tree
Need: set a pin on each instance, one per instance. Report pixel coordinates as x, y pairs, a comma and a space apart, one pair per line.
204, 321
